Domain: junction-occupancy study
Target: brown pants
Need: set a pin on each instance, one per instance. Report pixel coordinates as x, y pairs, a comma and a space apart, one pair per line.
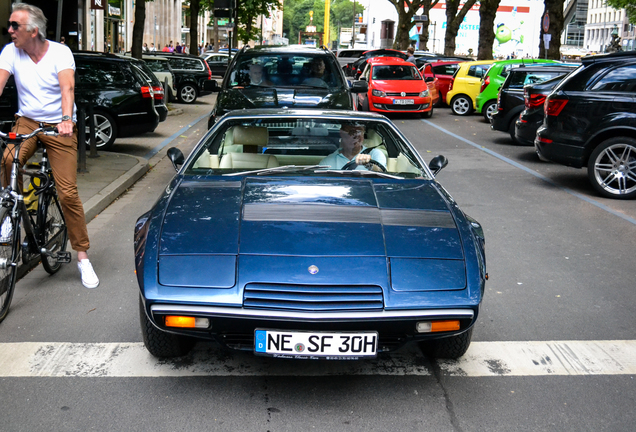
62, 154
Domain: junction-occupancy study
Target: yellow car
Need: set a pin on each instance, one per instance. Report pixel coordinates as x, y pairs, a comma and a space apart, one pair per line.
466, 86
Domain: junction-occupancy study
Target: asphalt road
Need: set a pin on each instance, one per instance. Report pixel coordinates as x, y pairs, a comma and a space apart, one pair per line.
560, 261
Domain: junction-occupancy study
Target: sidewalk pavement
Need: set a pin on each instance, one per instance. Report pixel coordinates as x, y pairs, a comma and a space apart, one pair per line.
108, 176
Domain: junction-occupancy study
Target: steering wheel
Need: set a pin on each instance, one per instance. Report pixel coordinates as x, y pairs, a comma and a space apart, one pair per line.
353, 164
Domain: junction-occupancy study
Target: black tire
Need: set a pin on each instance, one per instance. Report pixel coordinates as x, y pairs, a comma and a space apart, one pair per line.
448, 348
187, 93
162, 344
53, 232
428, 114
461, 105
612, 168
105, 131
8, 273
489, 109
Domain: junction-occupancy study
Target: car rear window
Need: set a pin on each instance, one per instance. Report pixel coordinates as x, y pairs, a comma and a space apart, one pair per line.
395, 72
350, 53
103, 73
158, 65
185, 63
448, 69
522, 78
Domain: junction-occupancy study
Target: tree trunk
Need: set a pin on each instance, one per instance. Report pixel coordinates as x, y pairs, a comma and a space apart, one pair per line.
555, 11
405, 22
427, 5
138, 29
453, 21
487, 12
194, 26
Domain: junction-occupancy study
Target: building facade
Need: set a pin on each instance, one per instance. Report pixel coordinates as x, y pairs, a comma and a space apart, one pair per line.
602, 21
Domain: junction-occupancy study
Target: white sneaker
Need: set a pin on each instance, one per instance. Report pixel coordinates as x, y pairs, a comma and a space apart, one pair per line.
89, 278
6, 230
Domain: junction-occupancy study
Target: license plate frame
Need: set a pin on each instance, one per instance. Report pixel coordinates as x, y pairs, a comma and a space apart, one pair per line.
315, 345
403, 101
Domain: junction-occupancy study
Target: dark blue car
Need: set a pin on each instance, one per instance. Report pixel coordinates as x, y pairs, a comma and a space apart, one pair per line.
259, 243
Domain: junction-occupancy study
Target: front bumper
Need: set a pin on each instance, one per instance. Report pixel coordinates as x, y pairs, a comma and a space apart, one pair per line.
234, 326
386, 104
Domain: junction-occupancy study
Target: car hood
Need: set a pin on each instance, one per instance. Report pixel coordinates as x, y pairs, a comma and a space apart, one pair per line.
313, 217
272, 97
400, 86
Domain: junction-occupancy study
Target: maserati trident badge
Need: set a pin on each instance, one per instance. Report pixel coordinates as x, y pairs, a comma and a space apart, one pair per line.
313, 269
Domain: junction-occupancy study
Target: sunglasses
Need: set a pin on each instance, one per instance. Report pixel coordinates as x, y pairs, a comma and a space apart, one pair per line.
14, 25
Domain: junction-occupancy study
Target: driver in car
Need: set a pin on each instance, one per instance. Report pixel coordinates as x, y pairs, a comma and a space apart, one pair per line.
257, 75
351, 149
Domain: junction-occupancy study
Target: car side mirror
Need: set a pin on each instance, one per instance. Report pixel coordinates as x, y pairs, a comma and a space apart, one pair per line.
359, 87
363, 78
212, 85
176, 157
430, 79
437, 164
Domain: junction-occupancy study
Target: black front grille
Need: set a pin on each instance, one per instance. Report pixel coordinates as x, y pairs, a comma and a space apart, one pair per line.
403, 107
312, 298
400, 94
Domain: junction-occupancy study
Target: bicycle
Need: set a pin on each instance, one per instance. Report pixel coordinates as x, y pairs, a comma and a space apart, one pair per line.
44, 225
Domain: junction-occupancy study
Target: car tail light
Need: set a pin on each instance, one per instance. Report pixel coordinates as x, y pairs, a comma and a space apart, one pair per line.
554, 106
209, 70
533, 100
499, 107
146, 92
452, 81
158, 91
544, 140
485, 83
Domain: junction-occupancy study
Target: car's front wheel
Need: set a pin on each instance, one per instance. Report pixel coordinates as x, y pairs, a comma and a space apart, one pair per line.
489, 109
452, 347
461, 105
162, 344
428, 114
187, 93
612, 168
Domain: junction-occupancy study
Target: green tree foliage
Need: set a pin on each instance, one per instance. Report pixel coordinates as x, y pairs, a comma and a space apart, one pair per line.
628, 5
296, 16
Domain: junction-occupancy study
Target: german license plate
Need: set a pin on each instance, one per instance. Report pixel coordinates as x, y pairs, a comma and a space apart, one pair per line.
403, 101
318, 345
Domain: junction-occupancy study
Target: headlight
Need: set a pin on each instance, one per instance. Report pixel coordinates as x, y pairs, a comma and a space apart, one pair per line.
424, 93
379, 93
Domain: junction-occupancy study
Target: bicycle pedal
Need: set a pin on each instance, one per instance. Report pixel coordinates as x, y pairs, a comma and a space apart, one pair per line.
63, 257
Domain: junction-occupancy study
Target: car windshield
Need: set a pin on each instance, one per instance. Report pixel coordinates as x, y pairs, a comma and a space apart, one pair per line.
304, 146
396, 72
286, 70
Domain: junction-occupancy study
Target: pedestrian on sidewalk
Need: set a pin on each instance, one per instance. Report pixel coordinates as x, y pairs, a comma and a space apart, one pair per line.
46, 94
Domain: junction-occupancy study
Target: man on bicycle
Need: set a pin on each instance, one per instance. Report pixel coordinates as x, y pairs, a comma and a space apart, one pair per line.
44, 73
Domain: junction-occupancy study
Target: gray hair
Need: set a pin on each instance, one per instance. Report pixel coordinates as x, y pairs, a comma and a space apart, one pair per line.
36, 18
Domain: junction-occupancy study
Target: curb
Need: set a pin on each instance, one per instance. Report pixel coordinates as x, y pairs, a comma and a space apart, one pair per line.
97, 203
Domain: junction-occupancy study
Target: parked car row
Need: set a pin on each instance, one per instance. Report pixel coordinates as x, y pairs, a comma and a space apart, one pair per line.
583, 117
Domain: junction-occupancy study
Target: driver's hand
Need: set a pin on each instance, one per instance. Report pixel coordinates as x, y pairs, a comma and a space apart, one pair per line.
65, 128
363, 159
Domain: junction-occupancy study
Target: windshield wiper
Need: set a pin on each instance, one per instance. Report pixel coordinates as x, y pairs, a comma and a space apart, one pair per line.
280, 169
360, 173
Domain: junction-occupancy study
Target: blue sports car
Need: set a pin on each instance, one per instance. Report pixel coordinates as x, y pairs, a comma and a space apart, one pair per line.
308, 234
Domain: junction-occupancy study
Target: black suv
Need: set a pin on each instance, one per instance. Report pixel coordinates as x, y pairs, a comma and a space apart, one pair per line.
192, 75
286, 81
590, 120
510, 101
127, 99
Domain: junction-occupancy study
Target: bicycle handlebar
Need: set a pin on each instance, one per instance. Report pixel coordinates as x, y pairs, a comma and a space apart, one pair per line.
44, 130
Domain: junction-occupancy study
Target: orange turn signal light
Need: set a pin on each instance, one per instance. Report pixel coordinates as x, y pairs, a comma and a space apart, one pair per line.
441, 326
180, 321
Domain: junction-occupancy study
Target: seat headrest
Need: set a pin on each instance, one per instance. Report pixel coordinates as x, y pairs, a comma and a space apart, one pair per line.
250, 135
373, 139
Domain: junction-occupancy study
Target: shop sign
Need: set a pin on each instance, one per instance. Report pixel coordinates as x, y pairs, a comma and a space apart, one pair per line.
98, 4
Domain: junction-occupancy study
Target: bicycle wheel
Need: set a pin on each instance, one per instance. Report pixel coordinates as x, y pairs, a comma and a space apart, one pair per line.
9, 249
52, 229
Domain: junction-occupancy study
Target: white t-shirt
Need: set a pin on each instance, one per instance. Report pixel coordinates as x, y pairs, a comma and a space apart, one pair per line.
39, 94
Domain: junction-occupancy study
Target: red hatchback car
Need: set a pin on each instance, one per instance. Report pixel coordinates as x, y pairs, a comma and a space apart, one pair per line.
444, 71
395, 85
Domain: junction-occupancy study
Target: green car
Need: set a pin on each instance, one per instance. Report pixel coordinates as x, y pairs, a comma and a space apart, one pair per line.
491, 83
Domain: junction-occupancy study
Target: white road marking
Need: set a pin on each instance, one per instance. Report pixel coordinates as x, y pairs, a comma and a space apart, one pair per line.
483, 359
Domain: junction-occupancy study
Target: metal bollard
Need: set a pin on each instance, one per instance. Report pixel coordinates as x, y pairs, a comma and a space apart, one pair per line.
81, 138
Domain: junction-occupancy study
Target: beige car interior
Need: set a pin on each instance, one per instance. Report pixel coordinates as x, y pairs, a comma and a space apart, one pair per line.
242, 145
